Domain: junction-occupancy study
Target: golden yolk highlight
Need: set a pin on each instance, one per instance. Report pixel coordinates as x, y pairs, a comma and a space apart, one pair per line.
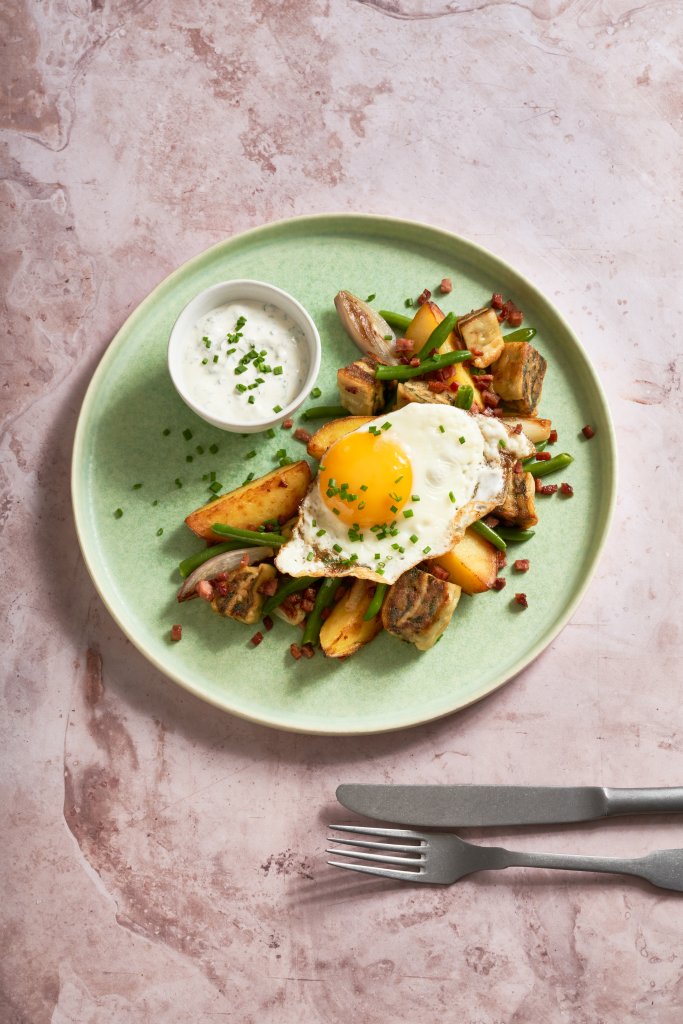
365, 479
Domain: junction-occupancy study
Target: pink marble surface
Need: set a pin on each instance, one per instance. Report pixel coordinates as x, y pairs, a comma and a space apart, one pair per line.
162, 861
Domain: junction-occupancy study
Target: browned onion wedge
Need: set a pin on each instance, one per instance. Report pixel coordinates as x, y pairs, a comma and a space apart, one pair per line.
226, 562
366, 328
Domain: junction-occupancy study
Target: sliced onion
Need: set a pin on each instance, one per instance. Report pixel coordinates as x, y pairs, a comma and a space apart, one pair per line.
366, 328
226, 562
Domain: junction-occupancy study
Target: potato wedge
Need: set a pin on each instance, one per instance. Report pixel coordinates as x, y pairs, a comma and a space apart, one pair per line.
418, 608
423, 323
359, 390
472, 563
277, 495
518, 377
345, 632
325, 437
535, 429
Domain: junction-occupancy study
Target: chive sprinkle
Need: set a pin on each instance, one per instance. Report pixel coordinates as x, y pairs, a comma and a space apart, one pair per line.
199, 450
250, 400
213, 449
451, 496
337, 548
371, 297
189, 458
270, 432
408, 513
166, 432
155, 502
316, 393
415, 497
216, 487
413, 538
178, 482
160, 531
251, 454
248, 479
462, 440
442, 429
277, 370
204, 362
118, 513
136, 487
277, 408
425, 551
187, 434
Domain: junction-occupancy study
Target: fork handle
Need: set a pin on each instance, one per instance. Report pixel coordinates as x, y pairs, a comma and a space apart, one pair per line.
574, 862
643, 801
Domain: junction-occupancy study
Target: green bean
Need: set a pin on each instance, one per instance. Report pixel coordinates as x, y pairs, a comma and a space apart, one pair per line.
541, 446
437, 337
464, 397
292, 586
396, 320
375, 605
323, 599
189, 565
272, 540
321, 412
523, 334
490, 535
514, 536
551, 466
435, 363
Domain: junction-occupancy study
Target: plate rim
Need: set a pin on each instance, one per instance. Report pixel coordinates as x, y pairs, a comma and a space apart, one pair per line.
275, 721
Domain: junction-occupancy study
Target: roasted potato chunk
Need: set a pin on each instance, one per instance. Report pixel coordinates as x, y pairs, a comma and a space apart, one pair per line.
244, 599
419, 607
345, 632
277, 495
472, 564
427, 318
333, 431
481, 334
519, 505
518, 376
359, 390
535, 429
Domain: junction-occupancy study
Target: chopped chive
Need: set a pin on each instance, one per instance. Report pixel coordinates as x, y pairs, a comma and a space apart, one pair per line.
199, 450
502, 444
385, 426
251, 454
413, 538
204, 362
166, 432
316, 393
189, 458
442, 429
280, 453
336, 511
248, 479
398, 479
240, 387
136, 487
377, 555
207, 341
160, 531
336, 547
250, 400
213, 449
393, 508
155, 502
212, 475
277, 370
363, 487
415, 497
230, 351
215, 359
277, 408
321, 533
408, 513
408, 303
310, 556
270, 432
462, 440
187, 434
118, 513
425, 551
388, 337
371, 297
178, 482
451, 496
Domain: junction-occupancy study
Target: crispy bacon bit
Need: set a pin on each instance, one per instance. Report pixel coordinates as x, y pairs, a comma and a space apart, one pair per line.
510, 312
288, 423
588, 432
268, 623
497, 300
482, 380
567, 489
221, 588
548, 489
515, 318
499, 583
414, 361
439, 572
491, 522
517, 429
307, 605
437, 386
404, 346
518, 467
268, 587
446, 286
176, 632
453, 386
490, 400
257, 638
476, 351
424, 297
552, 437
538, 486
244, 560
543, 456
501, 560
295, 651
521, 565
302, 435
204, 590
307, 650
309, 593
521, 600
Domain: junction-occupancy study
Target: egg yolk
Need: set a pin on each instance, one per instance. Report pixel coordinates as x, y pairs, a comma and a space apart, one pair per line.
365, 479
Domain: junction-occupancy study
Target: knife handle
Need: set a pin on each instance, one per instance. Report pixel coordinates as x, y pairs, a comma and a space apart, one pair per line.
643, 801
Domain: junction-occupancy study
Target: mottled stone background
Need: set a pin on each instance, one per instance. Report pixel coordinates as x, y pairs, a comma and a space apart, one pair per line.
162, 861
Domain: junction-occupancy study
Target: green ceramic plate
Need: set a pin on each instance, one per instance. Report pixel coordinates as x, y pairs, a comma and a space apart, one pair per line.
123, 440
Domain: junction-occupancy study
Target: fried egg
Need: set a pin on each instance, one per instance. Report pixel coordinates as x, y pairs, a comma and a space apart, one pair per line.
400, 489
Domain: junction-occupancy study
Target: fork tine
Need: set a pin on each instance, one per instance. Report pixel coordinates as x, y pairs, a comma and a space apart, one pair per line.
366, 844
412, 861
396, 833
403, 876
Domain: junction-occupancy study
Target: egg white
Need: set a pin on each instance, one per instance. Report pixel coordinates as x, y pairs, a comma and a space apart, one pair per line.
457, 482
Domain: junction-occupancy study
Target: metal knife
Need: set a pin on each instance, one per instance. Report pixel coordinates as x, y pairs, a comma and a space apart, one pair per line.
503, 805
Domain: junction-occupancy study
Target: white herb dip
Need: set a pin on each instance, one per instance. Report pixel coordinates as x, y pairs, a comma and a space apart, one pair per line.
243, 360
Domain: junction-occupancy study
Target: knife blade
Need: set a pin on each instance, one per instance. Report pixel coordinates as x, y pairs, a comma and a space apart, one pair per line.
472, 805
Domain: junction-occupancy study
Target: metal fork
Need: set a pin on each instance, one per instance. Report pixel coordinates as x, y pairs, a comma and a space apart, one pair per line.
445, 858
